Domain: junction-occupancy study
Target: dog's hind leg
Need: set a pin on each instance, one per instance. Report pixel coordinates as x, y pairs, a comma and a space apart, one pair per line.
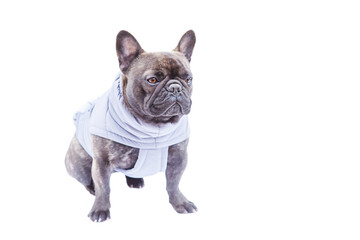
78, 164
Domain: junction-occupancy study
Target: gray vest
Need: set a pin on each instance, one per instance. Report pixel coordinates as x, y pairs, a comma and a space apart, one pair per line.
108, 117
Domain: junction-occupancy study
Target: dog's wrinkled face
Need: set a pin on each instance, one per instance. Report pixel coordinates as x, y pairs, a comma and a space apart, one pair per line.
157, 86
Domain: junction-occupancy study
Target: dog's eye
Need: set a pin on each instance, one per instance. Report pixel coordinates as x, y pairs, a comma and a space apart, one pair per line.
152, 80
188, 80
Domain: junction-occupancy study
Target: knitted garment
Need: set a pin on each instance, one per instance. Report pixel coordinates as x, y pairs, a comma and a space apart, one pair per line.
109, 118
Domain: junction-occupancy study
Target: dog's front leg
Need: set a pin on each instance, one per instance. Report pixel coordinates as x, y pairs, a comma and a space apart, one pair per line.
101, 172
177, 160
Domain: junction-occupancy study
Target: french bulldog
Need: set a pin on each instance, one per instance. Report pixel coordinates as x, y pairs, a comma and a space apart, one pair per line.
139, 127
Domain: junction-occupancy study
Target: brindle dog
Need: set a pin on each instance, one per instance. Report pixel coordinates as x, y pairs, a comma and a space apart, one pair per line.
167, 101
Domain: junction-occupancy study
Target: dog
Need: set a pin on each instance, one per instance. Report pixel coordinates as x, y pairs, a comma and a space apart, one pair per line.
138, 127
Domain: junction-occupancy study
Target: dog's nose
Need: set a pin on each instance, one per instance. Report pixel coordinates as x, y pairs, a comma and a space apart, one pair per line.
174, 86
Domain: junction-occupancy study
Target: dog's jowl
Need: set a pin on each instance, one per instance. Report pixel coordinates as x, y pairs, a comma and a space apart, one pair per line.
138, 127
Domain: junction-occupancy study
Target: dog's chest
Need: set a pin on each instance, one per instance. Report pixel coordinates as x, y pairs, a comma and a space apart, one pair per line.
119, 155
124, 158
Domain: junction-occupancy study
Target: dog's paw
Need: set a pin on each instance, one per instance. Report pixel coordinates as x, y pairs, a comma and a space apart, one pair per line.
181, 204
99, 215
185, 207
135, 182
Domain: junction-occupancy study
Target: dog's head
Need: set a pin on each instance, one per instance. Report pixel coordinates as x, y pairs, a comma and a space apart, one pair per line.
156, 86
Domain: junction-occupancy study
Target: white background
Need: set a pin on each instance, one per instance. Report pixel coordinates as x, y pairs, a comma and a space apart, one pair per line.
274, 150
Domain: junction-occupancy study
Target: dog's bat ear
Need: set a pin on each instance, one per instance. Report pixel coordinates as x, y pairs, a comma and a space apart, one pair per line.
127, 49
186, 44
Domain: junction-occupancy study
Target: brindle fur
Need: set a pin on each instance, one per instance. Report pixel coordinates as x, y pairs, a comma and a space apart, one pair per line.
153, 105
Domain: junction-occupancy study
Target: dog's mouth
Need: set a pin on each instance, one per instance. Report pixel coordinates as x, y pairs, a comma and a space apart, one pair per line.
174, 110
